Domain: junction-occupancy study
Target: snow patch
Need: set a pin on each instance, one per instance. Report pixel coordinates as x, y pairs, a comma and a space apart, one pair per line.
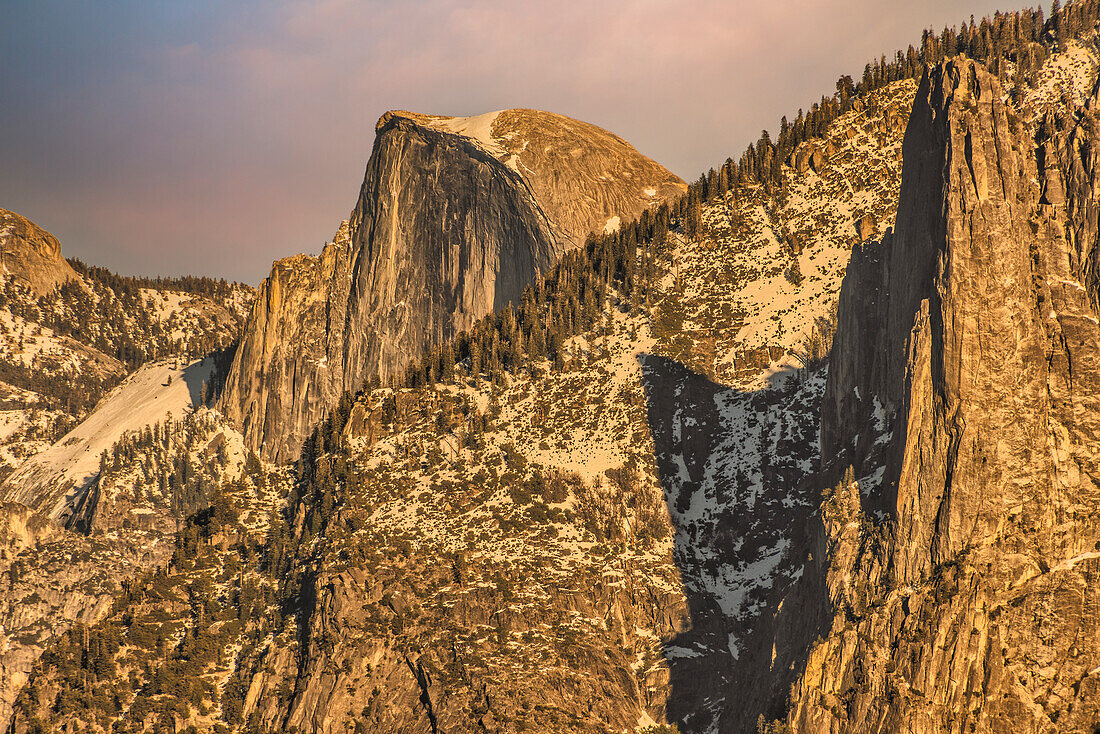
478, 128
148, 396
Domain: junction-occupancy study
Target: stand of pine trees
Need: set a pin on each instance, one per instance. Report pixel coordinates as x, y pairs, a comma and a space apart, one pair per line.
1021, 38
216, 289
566, 302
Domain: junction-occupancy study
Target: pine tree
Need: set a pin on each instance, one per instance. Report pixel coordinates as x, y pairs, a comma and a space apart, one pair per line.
447, 364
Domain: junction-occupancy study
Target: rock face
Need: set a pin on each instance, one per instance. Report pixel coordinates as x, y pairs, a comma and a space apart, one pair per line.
282, 376
583, 177
31, 255
454, 219
961, 555
420, 693
807, 157
865, 228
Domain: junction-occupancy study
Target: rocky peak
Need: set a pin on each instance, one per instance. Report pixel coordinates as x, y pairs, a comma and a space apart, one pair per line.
31, 255
455, 217
610, 182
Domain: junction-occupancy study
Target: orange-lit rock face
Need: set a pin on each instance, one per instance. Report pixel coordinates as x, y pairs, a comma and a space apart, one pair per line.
964, 392
454, 219
31, 255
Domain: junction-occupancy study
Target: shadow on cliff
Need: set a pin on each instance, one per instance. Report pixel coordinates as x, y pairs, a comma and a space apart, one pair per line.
198, 378
727, 666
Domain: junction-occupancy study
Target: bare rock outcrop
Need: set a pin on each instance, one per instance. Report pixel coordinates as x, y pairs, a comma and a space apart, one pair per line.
865, 227
31, 255
961, 553
807, 157
454, 219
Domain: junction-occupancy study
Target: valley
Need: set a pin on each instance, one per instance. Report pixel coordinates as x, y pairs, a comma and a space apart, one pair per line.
545, 439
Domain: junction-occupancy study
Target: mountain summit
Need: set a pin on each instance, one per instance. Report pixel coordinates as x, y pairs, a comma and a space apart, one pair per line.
455, 217
585, 178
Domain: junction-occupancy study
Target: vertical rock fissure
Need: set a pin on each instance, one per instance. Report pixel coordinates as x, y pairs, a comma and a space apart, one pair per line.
424, 681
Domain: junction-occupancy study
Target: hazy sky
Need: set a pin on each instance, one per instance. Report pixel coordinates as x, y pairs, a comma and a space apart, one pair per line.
210, 137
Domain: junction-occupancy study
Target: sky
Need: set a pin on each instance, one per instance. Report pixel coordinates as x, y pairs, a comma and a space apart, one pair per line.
167, 137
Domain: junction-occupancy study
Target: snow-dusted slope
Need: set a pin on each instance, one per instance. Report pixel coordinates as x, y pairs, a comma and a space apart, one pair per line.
478, 127
748, 288
54, 480
1069, 76
67, 336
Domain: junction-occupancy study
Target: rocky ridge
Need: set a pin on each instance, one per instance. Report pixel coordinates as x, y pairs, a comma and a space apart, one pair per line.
31, 255
68, 336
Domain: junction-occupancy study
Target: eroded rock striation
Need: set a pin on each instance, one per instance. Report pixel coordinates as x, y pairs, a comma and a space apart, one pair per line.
961, 555
454, 218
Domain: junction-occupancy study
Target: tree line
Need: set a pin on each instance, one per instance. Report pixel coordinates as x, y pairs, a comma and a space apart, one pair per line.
1021, 38
216, 289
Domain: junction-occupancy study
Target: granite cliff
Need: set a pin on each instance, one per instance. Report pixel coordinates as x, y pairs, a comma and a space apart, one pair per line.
31, 255
954, 572
455, 217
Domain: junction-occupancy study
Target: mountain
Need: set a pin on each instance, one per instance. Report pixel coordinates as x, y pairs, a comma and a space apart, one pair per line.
455, 218
69, 333
583, 177
677, 486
